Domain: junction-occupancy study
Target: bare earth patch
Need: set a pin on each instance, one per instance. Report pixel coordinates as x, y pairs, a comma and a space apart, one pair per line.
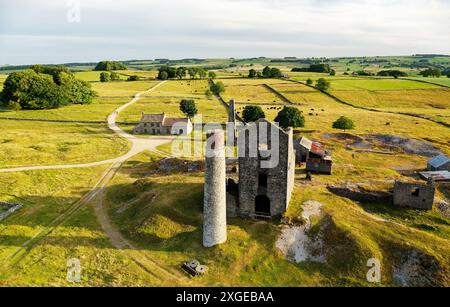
294, 241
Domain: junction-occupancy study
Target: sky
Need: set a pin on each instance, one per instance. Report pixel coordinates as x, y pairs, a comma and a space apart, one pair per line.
62, 31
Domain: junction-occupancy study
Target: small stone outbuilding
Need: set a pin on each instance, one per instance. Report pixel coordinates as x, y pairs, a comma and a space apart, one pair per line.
414, 195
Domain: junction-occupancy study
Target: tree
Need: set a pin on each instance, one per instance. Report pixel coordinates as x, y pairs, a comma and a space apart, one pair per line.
188, 107
202, 73
217, 88
266, 72
105, 77
323, 85
115, 76
212, 75
181, 72
163, 75
332, 72
290, 117
170, 71
253, 113
343, 123
192, 71
431, 72
252, 73
275, 73
309, 81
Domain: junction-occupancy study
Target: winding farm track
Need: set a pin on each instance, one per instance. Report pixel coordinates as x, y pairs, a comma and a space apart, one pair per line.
138, 144
96, 196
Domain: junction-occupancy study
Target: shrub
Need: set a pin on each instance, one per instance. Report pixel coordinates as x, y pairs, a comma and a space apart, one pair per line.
309, 81
115, 76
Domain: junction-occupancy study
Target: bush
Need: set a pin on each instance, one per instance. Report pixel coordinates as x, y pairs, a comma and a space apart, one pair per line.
212, 75
290, 117
105, 77
133, 78
309, 81
188, 107
115, 76
110, 65
252, 113
252, 73
343, 123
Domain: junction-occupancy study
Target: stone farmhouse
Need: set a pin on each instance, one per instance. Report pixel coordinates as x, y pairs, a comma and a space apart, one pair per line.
160, 124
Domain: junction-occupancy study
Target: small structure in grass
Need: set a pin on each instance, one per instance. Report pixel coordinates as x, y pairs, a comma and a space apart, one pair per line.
414, 195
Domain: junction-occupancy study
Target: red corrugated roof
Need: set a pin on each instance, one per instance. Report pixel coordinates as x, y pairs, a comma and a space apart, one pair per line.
318, 148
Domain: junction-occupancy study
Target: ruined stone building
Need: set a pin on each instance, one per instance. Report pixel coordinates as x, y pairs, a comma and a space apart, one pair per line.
160, 124
262, 191
414, 195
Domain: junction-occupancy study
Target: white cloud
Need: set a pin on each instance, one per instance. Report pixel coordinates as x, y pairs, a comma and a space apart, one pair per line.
209, 28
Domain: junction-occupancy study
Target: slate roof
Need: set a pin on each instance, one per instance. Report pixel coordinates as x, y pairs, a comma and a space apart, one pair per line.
152, 118
162, 119
439, 161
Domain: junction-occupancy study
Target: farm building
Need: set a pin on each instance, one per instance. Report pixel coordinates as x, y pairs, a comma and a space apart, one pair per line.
160, 124
317, 159
439, 163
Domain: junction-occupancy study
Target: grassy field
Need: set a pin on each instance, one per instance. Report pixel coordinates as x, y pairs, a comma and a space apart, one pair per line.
26, 143
2, 80
45, 195
250, 91
211, 110
182, 89
92, 76
122, 89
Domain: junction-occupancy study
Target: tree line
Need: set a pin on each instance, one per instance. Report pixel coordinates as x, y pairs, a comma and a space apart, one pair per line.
110, 65
267, 72
170, 72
